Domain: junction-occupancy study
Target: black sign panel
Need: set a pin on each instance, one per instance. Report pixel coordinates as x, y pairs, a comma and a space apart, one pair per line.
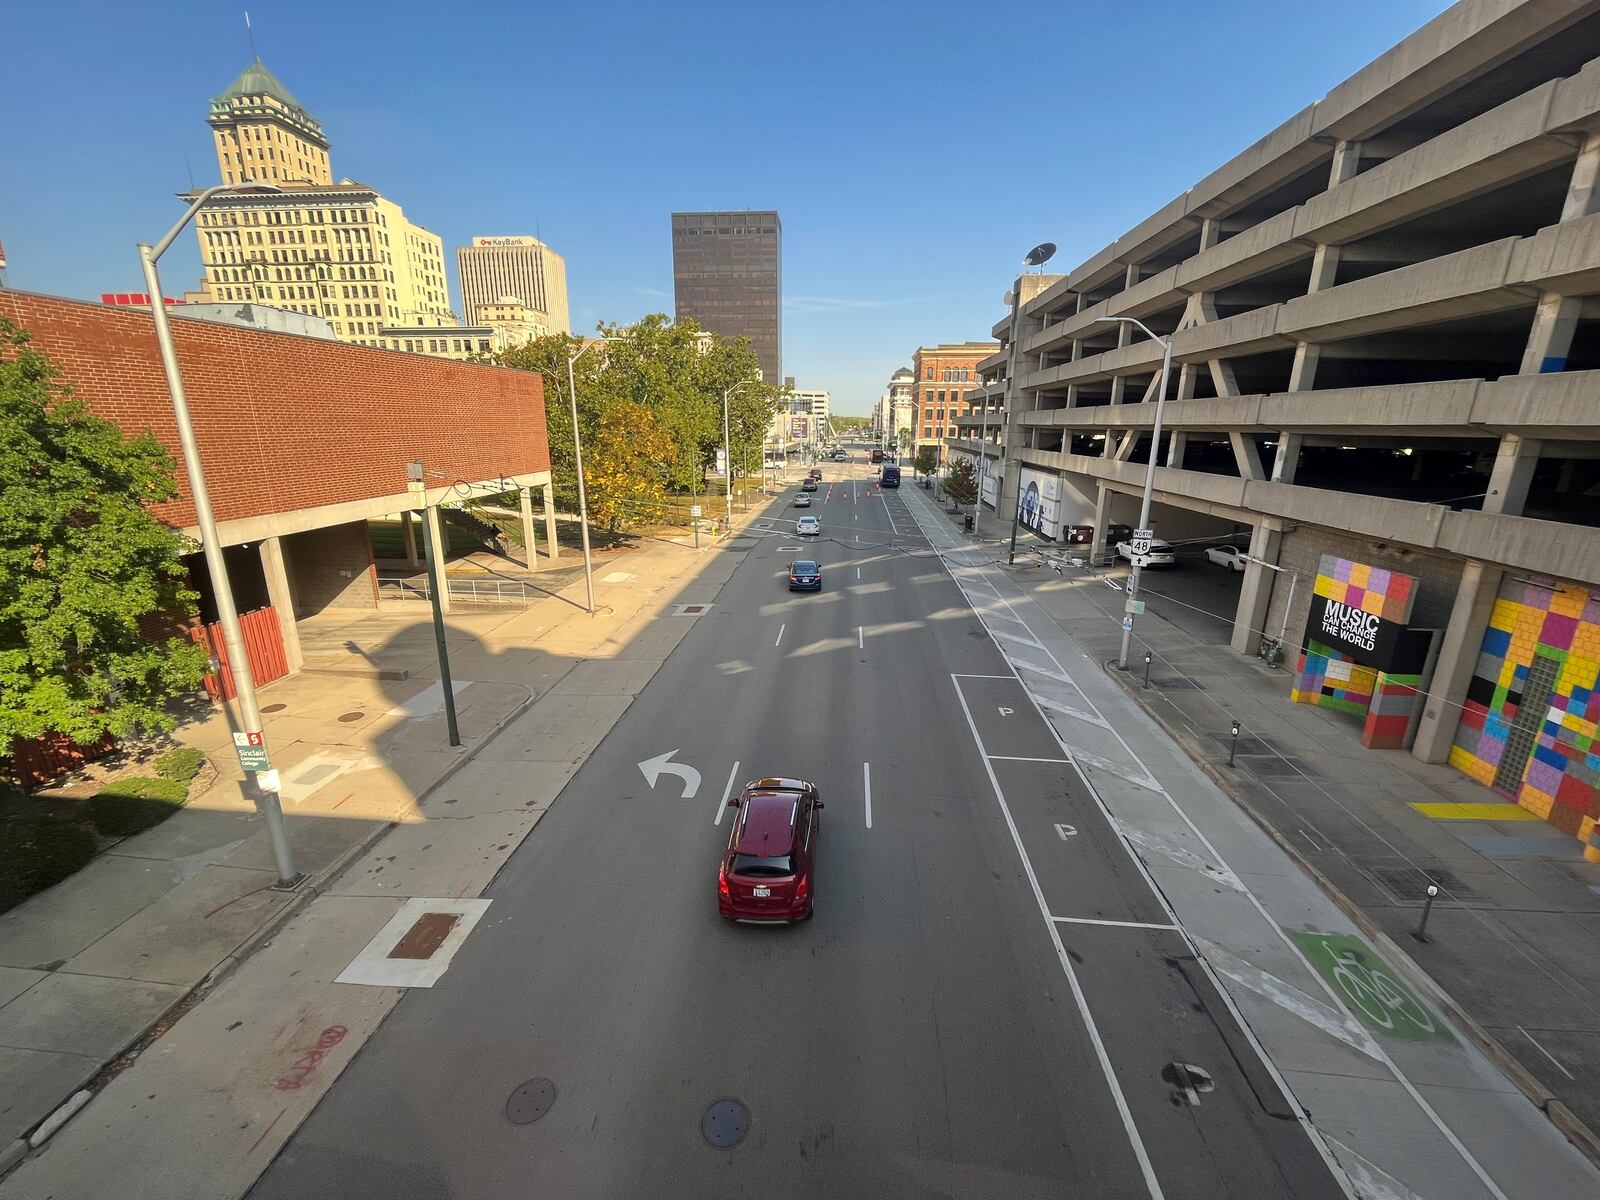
1365, 638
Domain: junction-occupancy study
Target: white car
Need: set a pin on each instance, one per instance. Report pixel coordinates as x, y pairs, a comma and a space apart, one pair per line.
808, 527
1160, 555
1229, 557
802, 499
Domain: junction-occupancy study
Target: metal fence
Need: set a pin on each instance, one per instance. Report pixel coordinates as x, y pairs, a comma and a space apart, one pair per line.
500, 593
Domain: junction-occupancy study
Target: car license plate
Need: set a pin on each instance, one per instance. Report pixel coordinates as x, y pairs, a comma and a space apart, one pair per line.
761, 891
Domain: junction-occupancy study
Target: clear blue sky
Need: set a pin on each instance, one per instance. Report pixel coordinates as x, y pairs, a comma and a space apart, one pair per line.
882, 132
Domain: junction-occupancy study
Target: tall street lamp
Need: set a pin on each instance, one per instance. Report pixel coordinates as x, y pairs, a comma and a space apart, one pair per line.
577, 454
253, 756
1149, 476
727, 446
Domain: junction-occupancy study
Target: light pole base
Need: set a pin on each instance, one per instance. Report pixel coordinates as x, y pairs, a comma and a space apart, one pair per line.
292, 885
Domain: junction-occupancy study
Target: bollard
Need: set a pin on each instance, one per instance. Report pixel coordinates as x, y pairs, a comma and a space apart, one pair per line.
1421, 933
1233, 744
1147, 668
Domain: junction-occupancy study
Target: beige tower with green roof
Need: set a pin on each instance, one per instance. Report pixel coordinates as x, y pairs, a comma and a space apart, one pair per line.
330, 248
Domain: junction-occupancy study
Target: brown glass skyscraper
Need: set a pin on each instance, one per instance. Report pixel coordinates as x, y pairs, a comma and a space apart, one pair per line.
727, 273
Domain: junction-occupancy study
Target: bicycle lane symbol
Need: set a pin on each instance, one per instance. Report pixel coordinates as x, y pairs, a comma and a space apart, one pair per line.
1371, 990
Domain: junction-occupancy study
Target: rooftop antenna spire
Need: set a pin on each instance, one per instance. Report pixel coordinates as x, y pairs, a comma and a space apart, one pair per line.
251, 34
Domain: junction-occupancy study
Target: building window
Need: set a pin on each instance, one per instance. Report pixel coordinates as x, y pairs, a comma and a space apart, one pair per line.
927, 431
930, 373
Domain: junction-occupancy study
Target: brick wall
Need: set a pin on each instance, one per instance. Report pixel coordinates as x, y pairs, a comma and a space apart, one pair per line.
287, 422
331, 568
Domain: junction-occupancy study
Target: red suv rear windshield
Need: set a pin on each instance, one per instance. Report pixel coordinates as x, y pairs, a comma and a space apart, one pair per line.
756, 864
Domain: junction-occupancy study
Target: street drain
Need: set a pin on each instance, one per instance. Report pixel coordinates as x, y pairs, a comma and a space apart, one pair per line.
725, 1124
272, 708
347, 718
530, 1101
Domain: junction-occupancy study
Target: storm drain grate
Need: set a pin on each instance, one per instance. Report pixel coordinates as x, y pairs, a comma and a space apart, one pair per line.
1175, 683
741, 544
691, 610
725, 1123
1273, 766
1409, 885
530, 1101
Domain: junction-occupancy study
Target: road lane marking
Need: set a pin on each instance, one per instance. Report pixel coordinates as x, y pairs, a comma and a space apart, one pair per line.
866, 789
1152, 1184
1399, 1076
1119, 924
1009, 677
861, 637
1024, 758
1544, 1052
779, 638
858, 572
726, 792
888, 514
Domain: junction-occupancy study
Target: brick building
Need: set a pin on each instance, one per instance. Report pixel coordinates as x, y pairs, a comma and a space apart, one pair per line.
943, 375
305, 440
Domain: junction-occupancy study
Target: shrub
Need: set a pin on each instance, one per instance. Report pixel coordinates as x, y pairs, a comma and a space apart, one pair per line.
182, 764
36, 852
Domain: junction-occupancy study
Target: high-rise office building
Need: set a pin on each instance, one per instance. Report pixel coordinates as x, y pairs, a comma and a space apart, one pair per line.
337, 250
727, 273
501, 275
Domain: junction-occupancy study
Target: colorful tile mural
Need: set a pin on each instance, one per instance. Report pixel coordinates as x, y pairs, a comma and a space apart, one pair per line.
1335, 677
1528, 725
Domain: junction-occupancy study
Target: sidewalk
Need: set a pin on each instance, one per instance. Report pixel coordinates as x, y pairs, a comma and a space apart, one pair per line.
1514, 936
153, 929
1402, 1091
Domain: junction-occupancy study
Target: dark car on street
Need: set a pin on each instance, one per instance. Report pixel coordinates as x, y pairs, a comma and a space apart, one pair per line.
767, 873
809, 485
805, 575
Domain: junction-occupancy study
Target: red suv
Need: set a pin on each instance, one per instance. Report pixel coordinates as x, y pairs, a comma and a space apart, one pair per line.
767, 869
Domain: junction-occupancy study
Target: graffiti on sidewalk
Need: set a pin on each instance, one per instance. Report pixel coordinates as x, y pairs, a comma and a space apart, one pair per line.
295, 1077
1370, 989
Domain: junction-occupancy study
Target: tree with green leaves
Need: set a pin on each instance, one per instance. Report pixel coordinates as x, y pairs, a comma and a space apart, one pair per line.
87, 574
961, 481
670, 370
926, 462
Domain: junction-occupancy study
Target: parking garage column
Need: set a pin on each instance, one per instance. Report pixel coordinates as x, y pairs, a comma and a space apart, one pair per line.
551, 541
438, 538
1514, 464
282, 600
1266, 543
529, 545
1458, 657
408, 529
1099, 552
1556, 318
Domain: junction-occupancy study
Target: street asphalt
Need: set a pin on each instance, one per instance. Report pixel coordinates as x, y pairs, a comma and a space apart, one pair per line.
989, 1001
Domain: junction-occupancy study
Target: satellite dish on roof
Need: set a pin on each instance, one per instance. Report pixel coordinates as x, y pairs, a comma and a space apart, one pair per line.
1040, 254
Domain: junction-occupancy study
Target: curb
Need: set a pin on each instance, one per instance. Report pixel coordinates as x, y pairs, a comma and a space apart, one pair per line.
11, 1156
1559, 1115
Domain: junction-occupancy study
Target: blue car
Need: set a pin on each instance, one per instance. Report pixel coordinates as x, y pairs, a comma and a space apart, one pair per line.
805, 575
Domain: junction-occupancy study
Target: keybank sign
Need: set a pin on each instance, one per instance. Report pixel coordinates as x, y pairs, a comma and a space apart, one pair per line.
505, 241
1350, 626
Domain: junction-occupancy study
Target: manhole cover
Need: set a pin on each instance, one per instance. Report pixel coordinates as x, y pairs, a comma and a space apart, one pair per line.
1409, 885
272, 708
348, 717
530, 1101
692, 610
725, 1124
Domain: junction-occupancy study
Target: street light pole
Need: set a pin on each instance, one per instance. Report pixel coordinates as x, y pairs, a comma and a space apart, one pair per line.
727, 445
1149, 477
210, 543
577, 455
